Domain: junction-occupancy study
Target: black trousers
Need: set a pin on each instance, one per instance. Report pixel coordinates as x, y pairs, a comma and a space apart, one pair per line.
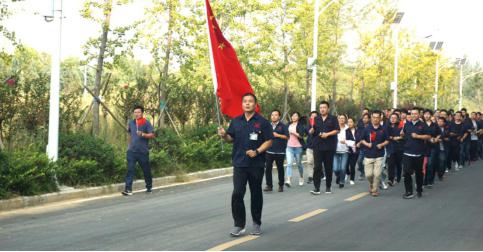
413, 165
351, 165
395, 166
278, 158
327, 159
254, 177
454, 154
474, 150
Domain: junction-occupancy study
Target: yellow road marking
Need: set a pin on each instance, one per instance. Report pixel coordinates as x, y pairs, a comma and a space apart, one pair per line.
308, 215
357, 196
230, 244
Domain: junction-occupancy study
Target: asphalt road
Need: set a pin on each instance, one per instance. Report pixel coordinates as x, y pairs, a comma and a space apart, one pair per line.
198, 217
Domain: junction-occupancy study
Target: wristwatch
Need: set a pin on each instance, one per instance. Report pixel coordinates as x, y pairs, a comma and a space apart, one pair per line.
256, 151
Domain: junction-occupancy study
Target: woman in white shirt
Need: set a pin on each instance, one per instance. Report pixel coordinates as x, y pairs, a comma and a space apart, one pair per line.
342, 152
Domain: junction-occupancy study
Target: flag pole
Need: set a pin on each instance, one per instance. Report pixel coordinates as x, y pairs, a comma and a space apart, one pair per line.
213, 71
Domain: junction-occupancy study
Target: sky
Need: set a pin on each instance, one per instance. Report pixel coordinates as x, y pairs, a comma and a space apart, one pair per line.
455, 22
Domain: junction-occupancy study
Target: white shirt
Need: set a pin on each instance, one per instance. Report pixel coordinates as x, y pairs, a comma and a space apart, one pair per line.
342, 137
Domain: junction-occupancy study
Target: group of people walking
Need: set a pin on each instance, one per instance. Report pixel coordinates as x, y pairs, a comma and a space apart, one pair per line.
384, 146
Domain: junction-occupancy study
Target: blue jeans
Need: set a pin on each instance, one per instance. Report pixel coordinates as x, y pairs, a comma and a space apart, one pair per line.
464, 153
442, 158
340, 165
360, 162
294, 153
384, 168
143, 160
432, 166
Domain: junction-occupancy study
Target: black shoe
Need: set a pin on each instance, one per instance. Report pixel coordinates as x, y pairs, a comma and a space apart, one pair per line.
310, 180
280, 189
390, 183
341, 186
328, 191
126, 193
237, 231
149, 190
420, 194
337, 180
408, 196
315, 192
267, 189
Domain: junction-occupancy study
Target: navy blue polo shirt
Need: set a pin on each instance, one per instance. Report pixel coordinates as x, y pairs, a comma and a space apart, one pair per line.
279, 145
394, 146
242, 131
467, 127
321, 126
433, 131
414, 147
380, 137
310, 137
480, 126
458, 129
139, 144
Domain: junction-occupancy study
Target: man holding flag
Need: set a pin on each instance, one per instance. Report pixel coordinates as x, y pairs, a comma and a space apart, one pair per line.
250, 133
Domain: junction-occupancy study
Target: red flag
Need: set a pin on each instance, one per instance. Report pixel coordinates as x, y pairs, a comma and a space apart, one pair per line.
232, 82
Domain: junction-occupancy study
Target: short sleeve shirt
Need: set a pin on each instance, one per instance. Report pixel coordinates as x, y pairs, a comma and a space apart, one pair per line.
139, 144
249, 135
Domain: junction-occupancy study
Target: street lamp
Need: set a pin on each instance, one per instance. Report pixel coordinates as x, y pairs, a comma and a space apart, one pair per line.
397, 19
460, 63
313, 60
436, 47
53, 135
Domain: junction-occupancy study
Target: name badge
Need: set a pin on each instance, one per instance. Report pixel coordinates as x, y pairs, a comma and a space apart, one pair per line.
254, 136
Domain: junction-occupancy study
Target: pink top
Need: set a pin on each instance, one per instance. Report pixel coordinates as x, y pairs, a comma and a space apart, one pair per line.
293, 140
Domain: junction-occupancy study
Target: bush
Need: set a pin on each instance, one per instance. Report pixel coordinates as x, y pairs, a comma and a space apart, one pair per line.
161, 163
80, 172
95, 161
199, 148
26, 173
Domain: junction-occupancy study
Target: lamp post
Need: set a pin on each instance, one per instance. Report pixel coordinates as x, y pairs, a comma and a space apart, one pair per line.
313, 61
436, 47
397, 19
53, 135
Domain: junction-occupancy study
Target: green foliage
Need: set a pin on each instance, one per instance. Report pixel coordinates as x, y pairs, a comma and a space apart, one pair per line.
26, 173
102, 163
80, 172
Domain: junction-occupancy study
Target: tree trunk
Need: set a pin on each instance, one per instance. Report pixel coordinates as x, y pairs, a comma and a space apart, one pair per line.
2, 146
165, 72
352, 86
335, 64
100, 63
362, 93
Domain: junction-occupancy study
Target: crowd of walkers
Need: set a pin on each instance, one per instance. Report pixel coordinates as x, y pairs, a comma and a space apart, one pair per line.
384, 146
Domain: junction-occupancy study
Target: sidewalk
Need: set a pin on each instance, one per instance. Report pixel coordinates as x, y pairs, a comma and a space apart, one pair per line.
82, 193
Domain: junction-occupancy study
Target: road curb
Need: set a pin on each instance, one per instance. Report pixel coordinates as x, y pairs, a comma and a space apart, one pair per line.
81, 193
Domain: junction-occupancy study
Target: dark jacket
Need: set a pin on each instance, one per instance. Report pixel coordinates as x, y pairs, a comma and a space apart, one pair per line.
301, 130
352, 137
279, 145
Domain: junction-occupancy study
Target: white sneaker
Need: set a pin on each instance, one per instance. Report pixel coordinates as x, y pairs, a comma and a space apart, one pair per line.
384, 185
287, 182
346, 178
323, 178
352, 182
461, 167
446, 171
301, 181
